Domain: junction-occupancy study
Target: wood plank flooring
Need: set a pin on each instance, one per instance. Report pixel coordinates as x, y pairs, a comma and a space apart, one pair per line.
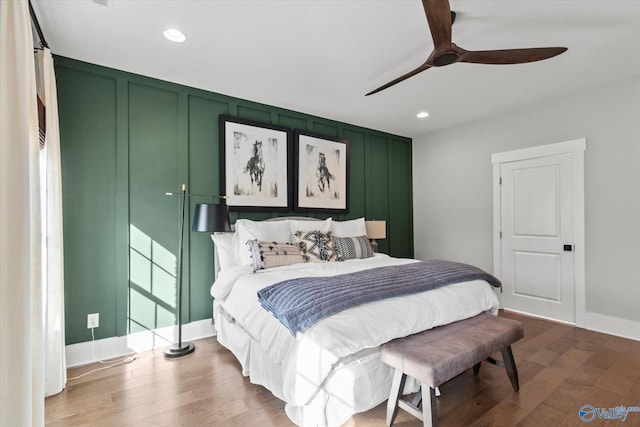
561, 368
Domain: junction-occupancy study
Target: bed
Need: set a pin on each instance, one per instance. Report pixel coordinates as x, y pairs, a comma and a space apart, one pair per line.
331, 370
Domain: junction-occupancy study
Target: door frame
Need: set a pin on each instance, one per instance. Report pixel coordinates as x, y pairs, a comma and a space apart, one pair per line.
576, 147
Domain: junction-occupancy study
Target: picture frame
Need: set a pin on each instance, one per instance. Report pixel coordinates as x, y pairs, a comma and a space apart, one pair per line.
255, 163
321, 173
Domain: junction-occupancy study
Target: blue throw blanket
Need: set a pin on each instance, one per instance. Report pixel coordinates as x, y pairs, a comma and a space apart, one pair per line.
301, 302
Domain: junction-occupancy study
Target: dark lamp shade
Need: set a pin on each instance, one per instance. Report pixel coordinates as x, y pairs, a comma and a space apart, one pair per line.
210, 218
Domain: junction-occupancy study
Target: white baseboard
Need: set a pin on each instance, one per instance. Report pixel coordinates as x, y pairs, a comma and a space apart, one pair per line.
108, 348
537, 316
617, 326
612, 325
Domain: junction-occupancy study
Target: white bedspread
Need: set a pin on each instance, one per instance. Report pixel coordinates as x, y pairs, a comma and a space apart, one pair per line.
308, 360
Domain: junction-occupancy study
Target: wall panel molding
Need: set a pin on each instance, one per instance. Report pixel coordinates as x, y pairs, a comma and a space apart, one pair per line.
148, 136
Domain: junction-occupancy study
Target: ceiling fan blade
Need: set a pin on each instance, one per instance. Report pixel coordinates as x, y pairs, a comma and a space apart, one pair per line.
439, 18
401, 78
511, 56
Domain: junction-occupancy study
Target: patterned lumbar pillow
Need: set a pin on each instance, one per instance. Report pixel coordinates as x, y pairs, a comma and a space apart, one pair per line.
274, 254
317, 245
353, 247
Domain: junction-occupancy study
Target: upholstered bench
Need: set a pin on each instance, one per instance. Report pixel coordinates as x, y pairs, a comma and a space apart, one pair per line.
435, 356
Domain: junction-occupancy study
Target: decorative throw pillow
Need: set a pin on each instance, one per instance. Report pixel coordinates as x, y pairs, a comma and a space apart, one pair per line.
308, 225
317, 245
353, 247
265, 231
274, 254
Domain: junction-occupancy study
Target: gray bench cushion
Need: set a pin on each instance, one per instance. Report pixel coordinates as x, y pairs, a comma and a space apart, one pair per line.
439, 354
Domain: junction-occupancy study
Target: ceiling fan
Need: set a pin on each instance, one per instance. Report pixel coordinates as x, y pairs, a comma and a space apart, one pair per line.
440, 19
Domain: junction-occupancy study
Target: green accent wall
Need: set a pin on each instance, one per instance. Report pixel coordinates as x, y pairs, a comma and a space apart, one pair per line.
128, 139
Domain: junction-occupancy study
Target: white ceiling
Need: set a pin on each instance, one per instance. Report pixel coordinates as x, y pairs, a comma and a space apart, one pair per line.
321, 56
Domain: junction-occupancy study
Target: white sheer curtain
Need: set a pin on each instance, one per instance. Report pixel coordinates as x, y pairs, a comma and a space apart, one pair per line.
52, 254
21, 342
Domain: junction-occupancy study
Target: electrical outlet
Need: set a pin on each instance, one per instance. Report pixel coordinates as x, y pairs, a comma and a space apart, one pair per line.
93, 320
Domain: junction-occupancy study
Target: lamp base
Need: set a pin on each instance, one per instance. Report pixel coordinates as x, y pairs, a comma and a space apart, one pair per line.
178, 351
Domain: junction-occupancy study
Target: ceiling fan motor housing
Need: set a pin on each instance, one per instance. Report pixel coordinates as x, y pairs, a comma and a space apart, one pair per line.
445, 59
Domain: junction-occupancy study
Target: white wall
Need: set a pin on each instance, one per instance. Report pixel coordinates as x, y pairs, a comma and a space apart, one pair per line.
453, 201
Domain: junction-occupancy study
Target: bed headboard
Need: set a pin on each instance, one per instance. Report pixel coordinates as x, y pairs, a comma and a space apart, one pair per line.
216, 263
296, 218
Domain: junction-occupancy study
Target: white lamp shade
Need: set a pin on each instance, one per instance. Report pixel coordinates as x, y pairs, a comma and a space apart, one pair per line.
376, 229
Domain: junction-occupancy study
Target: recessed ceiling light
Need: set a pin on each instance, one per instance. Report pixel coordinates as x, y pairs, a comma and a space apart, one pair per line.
422, 114
174, 35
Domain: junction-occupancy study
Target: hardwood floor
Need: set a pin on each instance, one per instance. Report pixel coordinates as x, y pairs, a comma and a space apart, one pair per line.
560, 367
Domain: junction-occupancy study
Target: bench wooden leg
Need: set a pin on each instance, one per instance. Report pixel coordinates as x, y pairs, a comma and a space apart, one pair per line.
397, 386
476, 368
510, 366
417, 399
429, 414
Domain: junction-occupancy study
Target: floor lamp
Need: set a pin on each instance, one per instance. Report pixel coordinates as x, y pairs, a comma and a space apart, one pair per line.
207, 218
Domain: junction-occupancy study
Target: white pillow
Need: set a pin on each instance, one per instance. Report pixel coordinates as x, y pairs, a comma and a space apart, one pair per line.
296, 225
349, 228
226, 245
267, 231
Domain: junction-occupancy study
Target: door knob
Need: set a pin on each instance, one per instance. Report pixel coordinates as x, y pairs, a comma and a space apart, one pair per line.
568, 248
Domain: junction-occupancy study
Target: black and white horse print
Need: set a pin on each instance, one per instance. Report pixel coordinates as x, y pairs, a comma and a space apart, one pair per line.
323, 174
255, 165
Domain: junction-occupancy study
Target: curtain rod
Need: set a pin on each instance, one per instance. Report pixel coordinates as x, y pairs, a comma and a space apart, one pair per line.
34, 21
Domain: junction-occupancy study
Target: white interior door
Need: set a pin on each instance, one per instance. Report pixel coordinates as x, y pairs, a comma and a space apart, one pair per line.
537, 244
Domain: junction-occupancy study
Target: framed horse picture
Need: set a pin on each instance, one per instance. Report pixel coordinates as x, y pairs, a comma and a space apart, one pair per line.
322, 173
255, 159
